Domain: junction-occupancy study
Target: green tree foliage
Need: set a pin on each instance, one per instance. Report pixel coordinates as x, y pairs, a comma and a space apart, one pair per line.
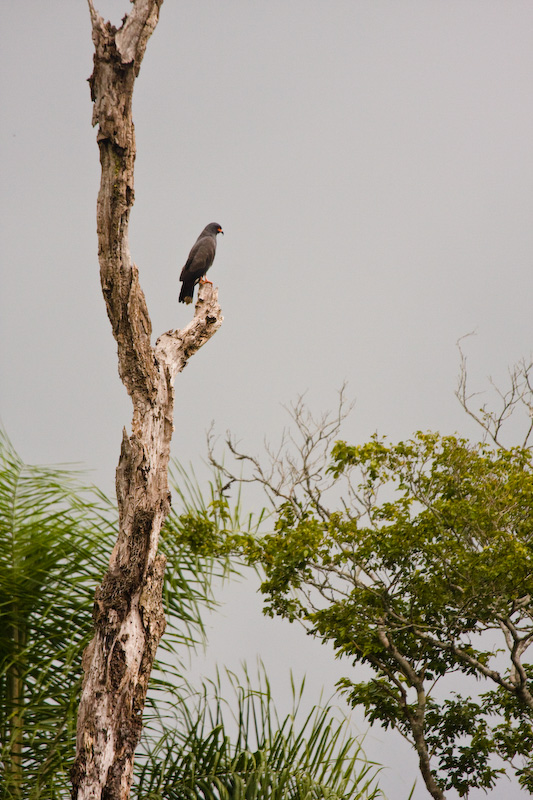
55, 541
416, 560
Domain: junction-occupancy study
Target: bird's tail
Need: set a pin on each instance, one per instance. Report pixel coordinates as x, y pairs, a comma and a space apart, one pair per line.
187, 291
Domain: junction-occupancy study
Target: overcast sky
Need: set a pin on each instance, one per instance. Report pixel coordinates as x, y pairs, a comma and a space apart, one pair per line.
371, 164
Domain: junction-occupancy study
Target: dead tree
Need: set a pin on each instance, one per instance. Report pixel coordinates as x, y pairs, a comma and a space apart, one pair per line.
128, 613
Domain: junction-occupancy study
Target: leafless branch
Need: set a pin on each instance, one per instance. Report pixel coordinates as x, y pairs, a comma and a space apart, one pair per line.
295, 468
517, 397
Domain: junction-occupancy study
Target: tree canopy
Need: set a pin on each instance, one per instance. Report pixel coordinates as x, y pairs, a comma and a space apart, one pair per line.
414, 559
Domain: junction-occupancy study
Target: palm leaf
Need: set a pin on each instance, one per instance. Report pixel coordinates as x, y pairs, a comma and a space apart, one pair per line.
242, 749
55, 537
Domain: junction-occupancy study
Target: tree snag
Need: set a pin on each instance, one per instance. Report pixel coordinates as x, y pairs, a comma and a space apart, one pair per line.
128, 612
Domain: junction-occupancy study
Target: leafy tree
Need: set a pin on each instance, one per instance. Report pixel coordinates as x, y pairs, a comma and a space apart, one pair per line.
416, 560
55, 538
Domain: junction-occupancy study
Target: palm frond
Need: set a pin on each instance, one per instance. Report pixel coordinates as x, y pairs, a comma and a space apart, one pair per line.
56, 536
54, 539
228, 750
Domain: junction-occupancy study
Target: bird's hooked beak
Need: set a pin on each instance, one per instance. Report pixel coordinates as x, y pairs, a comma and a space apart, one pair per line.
220, 231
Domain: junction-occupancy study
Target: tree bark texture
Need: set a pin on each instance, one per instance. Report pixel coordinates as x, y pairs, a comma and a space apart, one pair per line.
128, 613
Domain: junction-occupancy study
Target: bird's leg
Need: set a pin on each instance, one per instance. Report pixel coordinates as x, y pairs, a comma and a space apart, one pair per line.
204, 280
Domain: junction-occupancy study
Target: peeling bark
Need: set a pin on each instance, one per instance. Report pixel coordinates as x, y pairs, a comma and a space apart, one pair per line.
128, 612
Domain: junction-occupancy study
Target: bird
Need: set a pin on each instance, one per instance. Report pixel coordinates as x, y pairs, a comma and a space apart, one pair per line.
200, 259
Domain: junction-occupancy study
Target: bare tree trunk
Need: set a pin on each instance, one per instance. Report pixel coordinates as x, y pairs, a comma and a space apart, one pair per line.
129, 616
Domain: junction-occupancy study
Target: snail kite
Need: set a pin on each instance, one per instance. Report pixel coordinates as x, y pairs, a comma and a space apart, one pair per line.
200, 259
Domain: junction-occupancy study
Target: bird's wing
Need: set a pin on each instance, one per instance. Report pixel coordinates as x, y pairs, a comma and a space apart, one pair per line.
200, 258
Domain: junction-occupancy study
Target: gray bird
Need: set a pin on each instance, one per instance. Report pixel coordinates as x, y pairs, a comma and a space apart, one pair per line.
200, 259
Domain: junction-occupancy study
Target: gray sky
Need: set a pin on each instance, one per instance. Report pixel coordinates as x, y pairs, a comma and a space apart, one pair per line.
371, 164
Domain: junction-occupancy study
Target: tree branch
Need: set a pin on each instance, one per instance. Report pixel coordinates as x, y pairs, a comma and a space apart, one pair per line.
175, 348
519, 395
137, 28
